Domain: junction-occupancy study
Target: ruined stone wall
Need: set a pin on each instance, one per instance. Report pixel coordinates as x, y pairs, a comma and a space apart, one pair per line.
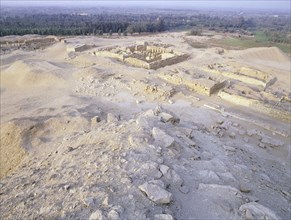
131, 48
78, 48
19, 42
174, 79
109, 54
235, 76
271, 81
27, 44
156, 58
204, 86
170, 50
137, 62
70, 49
198, 85
156, 49
265, 77
167, 55
140, 47
11, 44
169, 61
272, 111
217, 87
254, 73
236, 99
42, 40
256, 105
151, 58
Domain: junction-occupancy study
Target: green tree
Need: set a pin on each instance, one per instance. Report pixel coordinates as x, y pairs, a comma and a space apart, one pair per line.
130, 29
160, 25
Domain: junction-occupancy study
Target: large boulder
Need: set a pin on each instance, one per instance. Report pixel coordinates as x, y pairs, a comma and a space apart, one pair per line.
162, 138
97, 215
156, 193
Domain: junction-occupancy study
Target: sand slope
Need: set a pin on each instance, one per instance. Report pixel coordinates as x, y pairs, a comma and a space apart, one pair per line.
273, 54
56, 51
31, 73
11, 148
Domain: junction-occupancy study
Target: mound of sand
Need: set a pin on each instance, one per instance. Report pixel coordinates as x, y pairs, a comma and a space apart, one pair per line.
64, 125
92, 73
85, 60
56, 51
22, 136
11, 58
11, 149
31, 74
264, 53
207, 56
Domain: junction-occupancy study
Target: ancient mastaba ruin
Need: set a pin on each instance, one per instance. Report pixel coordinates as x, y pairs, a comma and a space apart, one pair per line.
144, 55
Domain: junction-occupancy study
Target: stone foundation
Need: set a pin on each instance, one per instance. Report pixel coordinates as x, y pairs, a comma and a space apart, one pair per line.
256, 105
143, 55
202, 85
243, 74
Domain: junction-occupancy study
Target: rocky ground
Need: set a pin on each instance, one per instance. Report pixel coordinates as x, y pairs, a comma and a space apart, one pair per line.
103, 140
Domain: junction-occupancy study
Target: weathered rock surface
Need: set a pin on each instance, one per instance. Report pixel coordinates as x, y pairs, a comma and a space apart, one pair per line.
162, 138
271, 142
112, 118
208, 176
114, 215
164, 169
97, 215
163, 217
165, 117
149, 169
254, 210
173, 178
229, 148
156, 193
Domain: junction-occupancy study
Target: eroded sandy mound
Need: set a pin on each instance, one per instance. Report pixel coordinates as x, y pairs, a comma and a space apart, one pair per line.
264, 53
11, 148
84, 60
31, 135
56, 51
91, 73
31, 73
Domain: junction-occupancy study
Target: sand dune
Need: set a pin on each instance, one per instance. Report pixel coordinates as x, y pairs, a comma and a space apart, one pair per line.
264, 53
56, 51
31, 73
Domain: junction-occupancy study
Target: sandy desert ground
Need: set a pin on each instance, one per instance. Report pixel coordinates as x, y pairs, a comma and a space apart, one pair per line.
88, 137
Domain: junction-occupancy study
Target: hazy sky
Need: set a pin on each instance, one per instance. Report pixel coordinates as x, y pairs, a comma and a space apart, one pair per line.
240, 4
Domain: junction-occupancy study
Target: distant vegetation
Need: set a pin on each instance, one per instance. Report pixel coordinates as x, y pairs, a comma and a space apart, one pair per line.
99, 21
195, 32
260, 39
